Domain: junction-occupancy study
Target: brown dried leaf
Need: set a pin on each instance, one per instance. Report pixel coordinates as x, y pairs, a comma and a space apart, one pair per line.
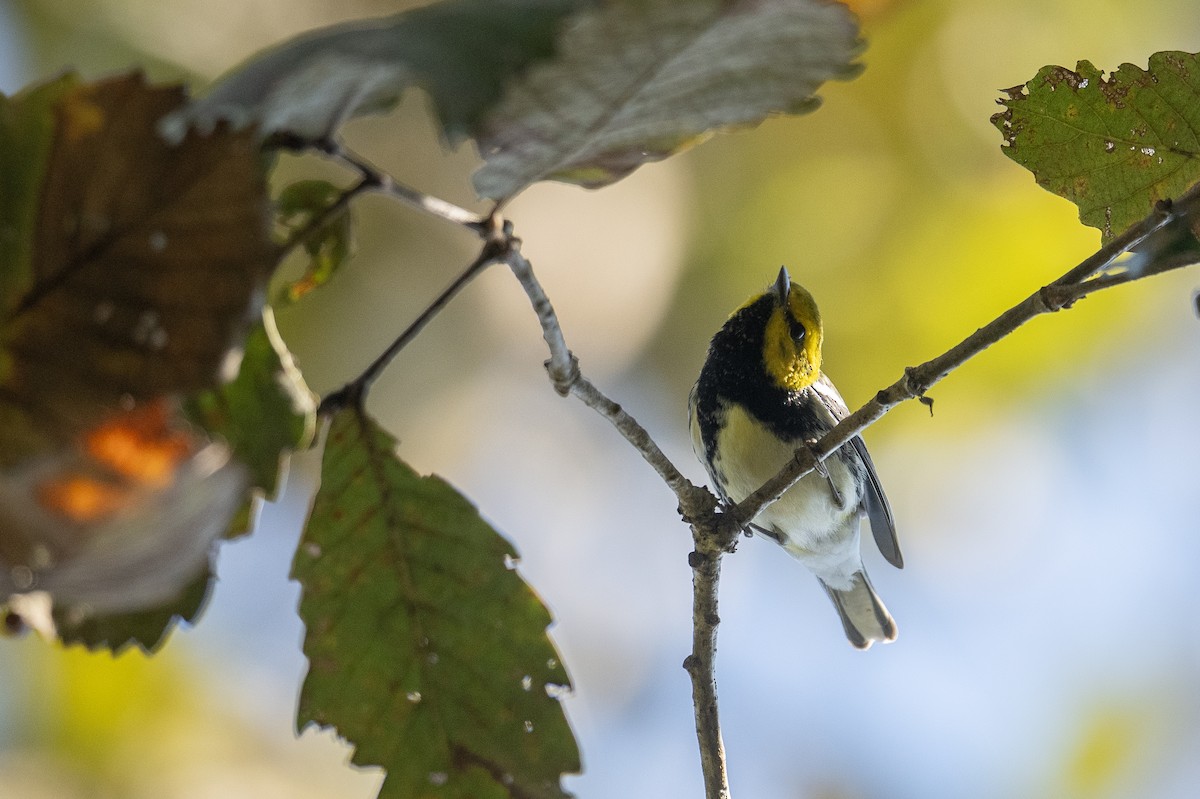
147, 263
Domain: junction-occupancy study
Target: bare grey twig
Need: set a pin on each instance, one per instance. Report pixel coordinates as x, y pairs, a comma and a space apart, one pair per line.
355, 391
696, 504
378, 180
562, 366
564, 372
701, 667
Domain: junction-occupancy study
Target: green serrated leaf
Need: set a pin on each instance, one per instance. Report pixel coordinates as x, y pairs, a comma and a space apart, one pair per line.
265, 412
147, 629
27, 127
426, 650
1113, 146
328, 244
462, 52
637, 80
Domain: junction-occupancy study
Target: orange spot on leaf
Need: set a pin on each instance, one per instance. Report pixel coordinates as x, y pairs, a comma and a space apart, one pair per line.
140, 445
123, 457
301, 287
82, 499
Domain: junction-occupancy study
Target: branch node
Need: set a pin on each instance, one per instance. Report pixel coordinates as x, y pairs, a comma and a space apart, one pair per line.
349, 395
697, 505
697, 559
498, 231
1051, 300
564, 380
727, 528
690, 664
913, 383
927, 402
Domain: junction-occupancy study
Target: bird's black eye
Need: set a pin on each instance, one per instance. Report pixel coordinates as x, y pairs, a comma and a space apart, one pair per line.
796, 328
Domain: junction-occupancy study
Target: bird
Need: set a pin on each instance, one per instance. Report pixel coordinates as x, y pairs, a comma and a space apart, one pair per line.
760, 396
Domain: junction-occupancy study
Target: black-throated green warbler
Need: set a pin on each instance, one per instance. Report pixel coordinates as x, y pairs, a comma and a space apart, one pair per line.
761, 395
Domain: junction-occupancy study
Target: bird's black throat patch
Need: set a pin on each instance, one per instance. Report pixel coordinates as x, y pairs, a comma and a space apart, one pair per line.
735, 372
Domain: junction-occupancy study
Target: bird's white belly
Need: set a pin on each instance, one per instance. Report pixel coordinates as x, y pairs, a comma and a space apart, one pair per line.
809, 514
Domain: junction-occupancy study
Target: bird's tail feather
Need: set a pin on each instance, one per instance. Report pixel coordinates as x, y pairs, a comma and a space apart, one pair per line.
864, 617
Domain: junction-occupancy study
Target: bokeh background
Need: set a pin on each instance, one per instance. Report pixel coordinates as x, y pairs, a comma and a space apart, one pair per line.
1050, 608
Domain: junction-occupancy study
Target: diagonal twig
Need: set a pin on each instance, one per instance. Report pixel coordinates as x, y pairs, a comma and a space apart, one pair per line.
563, 368
378, 180
355, 390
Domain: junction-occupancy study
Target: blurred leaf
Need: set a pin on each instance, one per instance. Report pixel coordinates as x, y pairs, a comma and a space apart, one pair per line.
633, 80
26, 133
426, 650
462, 52
121, 521
265, 412
328, 244
146, 628
637, 80
1112, 146
146, 264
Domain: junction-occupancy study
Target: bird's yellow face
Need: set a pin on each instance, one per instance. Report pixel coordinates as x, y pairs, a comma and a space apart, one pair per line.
792, 338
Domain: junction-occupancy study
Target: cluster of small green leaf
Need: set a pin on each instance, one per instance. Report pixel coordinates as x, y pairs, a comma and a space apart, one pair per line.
146, 399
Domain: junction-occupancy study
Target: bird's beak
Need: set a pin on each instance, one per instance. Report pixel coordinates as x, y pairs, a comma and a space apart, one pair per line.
783, 285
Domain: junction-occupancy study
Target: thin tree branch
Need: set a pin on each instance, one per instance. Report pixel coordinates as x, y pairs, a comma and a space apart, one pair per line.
714, 531
563, 368
706, 576
355, 391
378, 180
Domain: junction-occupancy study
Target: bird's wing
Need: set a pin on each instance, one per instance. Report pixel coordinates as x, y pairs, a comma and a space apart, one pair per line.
698, 445
879, 512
